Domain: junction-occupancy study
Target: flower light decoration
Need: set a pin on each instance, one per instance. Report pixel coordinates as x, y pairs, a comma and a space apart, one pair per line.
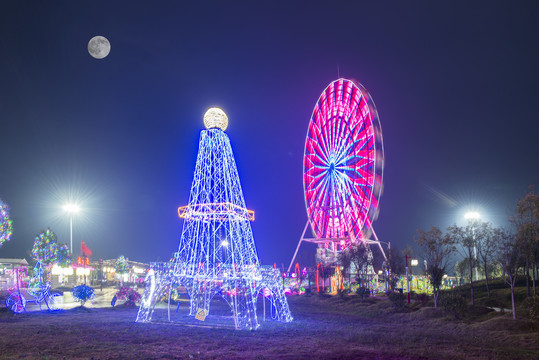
217, 253
130, 296
83, 293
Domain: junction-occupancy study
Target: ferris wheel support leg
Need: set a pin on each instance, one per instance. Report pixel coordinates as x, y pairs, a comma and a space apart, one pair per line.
379, 244
297, 248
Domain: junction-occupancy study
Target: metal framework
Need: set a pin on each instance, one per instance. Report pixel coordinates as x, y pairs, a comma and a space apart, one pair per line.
342, 169
215, 211
217, 253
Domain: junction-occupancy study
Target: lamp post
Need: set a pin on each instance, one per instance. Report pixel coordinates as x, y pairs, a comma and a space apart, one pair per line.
407, 281
414, 262
472, 217
71, 209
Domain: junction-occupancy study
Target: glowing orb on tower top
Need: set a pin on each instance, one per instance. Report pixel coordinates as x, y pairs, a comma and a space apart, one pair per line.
215, 118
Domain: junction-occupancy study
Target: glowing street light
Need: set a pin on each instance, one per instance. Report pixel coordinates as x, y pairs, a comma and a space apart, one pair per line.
71, 209
472, 215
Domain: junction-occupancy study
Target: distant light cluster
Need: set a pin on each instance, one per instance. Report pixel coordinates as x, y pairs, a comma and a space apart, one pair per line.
6, 224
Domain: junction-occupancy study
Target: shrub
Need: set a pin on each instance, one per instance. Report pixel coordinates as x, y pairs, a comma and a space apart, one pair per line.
363, 291
83, 293
531, 307
397, 299
453, 303
422, 298
130, 296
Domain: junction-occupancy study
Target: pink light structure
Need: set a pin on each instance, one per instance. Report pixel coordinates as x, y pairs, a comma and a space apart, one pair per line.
342, 168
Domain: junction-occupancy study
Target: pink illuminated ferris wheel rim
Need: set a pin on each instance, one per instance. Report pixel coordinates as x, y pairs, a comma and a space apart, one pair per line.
343, 163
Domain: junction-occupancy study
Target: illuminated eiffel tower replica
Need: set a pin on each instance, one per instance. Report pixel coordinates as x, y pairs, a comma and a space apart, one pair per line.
217, 253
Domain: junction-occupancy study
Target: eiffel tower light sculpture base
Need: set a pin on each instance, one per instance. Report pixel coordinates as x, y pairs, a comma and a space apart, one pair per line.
217, 254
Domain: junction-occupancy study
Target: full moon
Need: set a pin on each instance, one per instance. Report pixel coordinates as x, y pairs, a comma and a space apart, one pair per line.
99, 47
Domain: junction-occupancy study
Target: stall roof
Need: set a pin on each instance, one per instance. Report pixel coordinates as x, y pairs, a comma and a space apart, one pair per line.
13, 261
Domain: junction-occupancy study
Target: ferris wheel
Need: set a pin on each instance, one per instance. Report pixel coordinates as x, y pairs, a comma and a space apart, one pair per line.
343, 167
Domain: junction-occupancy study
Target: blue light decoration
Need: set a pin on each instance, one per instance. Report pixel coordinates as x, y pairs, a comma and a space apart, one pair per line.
217, 253
82, 293
38, 292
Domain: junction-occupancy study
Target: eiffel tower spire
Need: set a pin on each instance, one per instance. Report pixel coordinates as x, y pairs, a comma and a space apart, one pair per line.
216, 230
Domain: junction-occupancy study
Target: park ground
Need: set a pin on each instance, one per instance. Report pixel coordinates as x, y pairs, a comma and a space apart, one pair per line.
324, 327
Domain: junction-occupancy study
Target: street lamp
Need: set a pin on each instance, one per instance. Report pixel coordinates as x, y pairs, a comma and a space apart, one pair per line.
472, 217
414, 262
224, 247
71, 209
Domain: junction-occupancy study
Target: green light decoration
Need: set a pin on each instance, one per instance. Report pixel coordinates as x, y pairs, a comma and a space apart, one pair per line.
45, 247
6, 224
47, 250
63, 257
121, 265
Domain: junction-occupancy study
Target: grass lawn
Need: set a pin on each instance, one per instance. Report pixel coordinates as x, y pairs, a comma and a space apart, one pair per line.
323, 328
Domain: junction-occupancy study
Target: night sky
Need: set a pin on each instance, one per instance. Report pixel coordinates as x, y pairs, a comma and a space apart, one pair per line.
455, 84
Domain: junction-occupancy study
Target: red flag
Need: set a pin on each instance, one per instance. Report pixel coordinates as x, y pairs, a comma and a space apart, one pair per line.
85, 249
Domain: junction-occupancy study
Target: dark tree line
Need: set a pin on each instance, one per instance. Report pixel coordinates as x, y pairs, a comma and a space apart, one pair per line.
482, 246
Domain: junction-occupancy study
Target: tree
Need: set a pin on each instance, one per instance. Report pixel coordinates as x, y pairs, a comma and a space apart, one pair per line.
345, 261
6, 224
357, 257
526, 221
396, 266
121, 267
462, 269
63, 257
45, 247
486, 247
509, 256
48, 252
436, 248
408, 251
467, 237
